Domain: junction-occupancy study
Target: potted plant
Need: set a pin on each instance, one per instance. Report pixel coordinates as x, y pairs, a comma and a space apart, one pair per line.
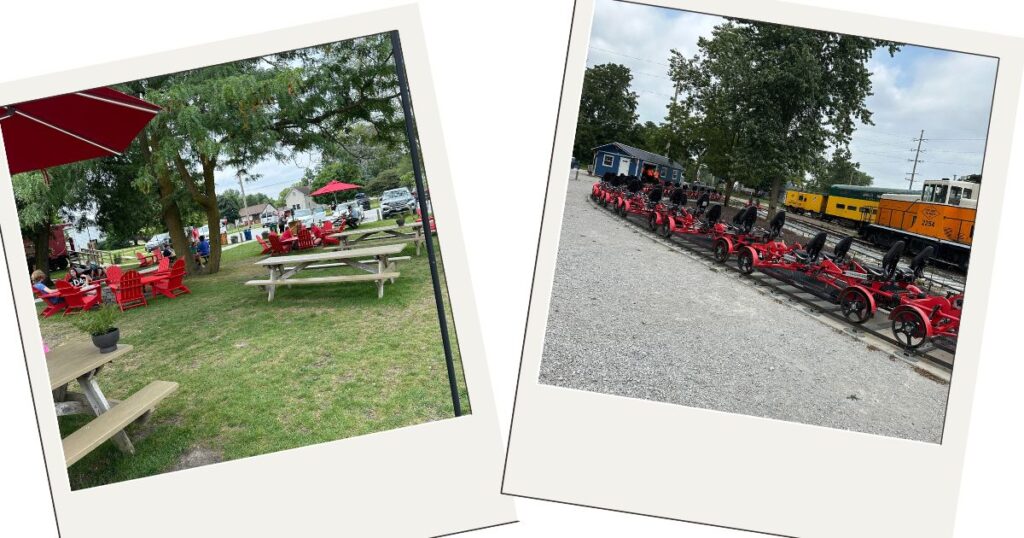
99, 324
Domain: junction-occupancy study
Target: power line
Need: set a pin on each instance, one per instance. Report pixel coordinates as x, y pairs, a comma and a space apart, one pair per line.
628, 56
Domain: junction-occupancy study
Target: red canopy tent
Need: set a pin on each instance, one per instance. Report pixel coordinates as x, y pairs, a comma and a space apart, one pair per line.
72, 127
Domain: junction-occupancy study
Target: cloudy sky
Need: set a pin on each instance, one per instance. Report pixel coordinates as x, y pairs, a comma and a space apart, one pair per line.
947, 94
274, 176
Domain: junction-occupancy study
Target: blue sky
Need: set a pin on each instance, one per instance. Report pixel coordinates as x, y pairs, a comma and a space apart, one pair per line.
948, 94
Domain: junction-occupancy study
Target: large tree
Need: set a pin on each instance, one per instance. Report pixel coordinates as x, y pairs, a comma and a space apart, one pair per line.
782, 94
607, 109
241, 113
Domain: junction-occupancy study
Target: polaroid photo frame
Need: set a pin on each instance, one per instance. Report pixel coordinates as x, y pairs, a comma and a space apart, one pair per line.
429, 479
732, 470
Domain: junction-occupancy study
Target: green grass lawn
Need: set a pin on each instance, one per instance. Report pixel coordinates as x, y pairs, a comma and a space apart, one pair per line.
317, 364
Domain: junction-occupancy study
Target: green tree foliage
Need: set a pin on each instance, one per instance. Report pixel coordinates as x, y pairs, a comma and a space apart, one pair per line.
837, 170
607, 109
257, 198
229, 203
124, 213
345, 171
386, 180
772, 98
240, 113
40, 204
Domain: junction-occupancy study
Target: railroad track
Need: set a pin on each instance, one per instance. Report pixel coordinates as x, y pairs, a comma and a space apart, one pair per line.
876, 332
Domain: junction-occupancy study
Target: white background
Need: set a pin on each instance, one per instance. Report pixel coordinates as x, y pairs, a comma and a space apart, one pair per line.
498, 69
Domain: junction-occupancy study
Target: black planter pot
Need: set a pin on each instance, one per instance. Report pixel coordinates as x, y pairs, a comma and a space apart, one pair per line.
106, 342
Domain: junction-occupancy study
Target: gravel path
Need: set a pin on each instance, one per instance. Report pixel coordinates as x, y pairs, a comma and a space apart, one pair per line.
634, 318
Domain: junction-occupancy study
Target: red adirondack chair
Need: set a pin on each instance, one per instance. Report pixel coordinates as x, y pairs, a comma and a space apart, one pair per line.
172, 286
322, 235
144, 261
164, 265
51, 308
76, 299
419, 218
278, 246
267, 249
113, 277
158, 254
128, 292
306, 239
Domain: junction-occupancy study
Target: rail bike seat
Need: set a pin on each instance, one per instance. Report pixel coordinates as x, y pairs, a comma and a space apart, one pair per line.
714, 213
841, 250
810, 253
917, 266
890, 263
678, 198
654, 197
702, 205
634, 186
775, 226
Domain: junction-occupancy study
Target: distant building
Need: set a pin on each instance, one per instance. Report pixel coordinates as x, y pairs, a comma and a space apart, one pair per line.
618, 158
298, 198
256, 213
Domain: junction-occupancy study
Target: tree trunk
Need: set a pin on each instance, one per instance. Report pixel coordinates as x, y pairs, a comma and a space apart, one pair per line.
728, 191
207, 199
42, 245
172, 219
773, 197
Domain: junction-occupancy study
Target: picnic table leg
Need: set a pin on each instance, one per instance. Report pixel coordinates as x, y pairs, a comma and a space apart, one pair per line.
419, 239
272, 287
100, 405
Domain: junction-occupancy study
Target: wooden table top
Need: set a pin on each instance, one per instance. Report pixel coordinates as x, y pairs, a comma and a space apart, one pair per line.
366, 231
383, 250
69, 361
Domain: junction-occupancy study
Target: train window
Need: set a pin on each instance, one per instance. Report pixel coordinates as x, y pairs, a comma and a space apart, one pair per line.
928, 194
940, 194
852, 208
954, 196
840, 206
967, 194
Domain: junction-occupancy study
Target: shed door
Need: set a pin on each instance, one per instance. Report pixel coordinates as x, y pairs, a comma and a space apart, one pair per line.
624, 166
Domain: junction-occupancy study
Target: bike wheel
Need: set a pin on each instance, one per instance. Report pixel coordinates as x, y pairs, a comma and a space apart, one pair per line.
745, 261
909, 329
855, 306
721, 251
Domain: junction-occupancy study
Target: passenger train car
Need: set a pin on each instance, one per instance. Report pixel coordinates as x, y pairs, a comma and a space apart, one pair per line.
849, 204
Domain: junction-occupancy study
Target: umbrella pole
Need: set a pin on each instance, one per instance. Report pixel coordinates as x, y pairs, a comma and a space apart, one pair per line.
414, 153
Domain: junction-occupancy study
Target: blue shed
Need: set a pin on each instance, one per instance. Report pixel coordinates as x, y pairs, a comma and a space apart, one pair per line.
618, 158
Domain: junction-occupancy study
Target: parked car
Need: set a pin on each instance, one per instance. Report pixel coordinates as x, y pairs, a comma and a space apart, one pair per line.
158, 241
395, 201
267, 220
309, 217
363, 200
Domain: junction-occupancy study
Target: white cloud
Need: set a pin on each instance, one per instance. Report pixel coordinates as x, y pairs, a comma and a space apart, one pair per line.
947, 94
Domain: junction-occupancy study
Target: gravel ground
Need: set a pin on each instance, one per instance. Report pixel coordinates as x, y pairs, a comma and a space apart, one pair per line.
634, 318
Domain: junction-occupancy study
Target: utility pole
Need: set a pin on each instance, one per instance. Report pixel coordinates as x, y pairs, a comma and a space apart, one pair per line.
916, 159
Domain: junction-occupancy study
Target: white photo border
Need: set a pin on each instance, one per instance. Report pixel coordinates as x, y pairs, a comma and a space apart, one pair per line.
430, 479
740, 471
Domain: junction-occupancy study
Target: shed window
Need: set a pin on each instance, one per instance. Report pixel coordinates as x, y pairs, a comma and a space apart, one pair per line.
675, 174
609, 160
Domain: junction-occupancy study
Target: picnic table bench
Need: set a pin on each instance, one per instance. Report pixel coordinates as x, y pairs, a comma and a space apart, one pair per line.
284, 268
354, 238
82, 361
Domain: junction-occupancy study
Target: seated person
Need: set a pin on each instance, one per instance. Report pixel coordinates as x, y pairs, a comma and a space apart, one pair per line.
78, 277
167, 252
37, 282
203, 248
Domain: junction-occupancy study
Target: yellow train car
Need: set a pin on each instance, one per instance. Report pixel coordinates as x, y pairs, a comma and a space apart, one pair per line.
855, 204
805, 202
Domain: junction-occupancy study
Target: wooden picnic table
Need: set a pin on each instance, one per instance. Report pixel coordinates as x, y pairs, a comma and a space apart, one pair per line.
353, 238
80, 360
284, 268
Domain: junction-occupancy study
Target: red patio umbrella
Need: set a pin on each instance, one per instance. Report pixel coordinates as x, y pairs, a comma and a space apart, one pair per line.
72, 127
335, 186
